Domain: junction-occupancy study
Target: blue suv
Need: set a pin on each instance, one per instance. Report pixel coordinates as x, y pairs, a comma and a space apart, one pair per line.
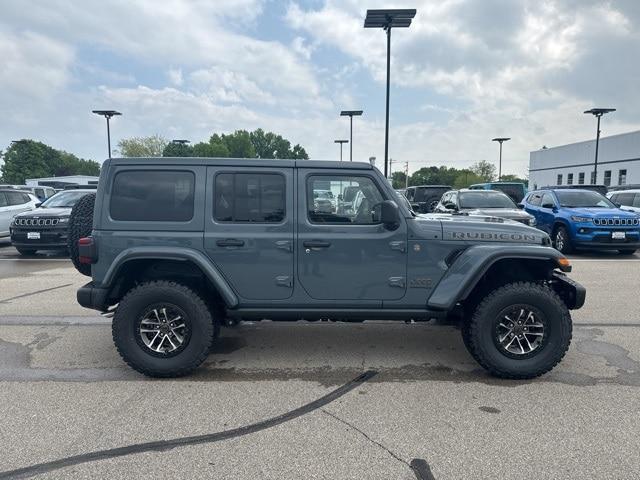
583, 219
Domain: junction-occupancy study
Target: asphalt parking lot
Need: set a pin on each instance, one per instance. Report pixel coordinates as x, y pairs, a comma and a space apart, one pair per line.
313, 400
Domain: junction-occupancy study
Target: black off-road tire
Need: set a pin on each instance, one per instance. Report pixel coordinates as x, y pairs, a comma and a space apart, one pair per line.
431, 204
558, 331
80, 225
26, 251
627, 251
198, 316
562, 240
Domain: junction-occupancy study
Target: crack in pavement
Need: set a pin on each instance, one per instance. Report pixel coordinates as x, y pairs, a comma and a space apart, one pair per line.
419, 466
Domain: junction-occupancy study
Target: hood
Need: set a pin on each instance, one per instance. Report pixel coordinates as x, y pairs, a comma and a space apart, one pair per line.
481, 229
600, 212
499, 212
46, 212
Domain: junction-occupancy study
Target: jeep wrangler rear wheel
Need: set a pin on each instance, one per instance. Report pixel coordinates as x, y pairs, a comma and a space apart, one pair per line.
519, 331
80, 225
163, 329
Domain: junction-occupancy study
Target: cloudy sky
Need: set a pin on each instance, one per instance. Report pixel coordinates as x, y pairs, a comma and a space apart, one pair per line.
466, 71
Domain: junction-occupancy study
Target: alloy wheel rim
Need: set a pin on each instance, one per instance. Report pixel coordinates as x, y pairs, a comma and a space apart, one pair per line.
560, 240
520, 331
163, 330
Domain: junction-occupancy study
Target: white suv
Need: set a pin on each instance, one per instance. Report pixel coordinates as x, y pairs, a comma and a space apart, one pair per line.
13, 202
627, 199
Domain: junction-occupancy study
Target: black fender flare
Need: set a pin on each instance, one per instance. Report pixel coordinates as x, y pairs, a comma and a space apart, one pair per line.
173, 253
469, 267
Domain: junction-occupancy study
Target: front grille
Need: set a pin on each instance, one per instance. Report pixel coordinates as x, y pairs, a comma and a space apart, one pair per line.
36, 222
615, 221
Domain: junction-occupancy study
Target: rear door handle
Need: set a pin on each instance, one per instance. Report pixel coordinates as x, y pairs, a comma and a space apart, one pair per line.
230, 242
316, 244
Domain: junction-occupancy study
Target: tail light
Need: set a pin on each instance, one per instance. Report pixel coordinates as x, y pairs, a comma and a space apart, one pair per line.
87, 252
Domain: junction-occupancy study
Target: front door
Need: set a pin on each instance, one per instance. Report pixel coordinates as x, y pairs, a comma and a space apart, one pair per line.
249, 229
344, 252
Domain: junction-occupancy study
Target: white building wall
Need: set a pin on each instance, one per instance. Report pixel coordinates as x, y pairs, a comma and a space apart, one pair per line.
616, 153
71, 179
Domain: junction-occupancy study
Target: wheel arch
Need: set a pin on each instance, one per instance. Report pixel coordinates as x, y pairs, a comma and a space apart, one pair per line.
484, 267
189, 266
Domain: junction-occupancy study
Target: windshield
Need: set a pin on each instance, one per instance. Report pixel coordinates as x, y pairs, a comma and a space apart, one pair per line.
583, 199
63, 199
485, 199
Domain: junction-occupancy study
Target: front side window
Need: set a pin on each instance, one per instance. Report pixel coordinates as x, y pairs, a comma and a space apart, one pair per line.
249, 197
625, 199
3, 200
152, 196
535, 199
547, 200
343, 199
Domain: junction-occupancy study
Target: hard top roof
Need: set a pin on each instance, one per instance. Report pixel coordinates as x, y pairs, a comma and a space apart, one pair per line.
242, 162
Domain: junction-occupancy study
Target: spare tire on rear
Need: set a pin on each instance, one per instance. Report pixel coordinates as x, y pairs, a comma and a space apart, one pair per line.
80, 225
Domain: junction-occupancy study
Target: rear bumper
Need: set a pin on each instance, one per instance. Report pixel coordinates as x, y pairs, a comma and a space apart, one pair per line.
93, 297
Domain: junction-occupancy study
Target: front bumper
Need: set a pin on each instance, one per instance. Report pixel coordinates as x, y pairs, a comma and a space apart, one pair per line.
52, 237
93, 297
601, 238
573, 294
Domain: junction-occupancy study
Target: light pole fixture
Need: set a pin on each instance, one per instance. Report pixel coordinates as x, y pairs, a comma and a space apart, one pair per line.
500, 140
388, 19
350, 114
341, 142
107, 114
597, 112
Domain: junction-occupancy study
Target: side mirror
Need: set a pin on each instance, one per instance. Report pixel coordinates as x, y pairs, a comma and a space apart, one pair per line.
38, 204
450, 206
389, 214
520, 206
547, 205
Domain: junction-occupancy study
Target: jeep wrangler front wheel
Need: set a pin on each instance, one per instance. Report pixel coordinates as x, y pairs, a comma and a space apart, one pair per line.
519, 331
163, 329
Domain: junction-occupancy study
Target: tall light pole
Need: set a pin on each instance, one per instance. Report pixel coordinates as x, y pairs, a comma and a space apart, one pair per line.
341, 142
107, 114
597, 112
350, 114
387, 19
500, 140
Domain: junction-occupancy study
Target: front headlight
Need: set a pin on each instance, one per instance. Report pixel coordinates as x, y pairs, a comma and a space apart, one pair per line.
578, 219
63, 220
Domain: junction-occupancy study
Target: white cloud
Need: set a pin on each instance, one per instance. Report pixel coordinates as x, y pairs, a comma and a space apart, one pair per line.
175, 76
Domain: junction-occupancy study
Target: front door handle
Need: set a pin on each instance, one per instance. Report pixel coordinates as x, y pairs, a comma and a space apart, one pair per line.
230, 242
316, 244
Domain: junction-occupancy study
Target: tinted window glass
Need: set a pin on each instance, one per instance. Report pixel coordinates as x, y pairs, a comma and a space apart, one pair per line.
16, 198
623, 199
547, 199
361, 209
64, 199
636, 201
485, 199
152, 196
3, 200
535, 199
249, 197
570, 199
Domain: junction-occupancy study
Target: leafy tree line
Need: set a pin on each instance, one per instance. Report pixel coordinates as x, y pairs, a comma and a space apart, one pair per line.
239, 144
30, 159
479, 172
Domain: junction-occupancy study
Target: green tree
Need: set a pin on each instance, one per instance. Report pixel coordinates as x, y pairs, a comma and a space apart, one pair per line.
465, 178
398, 179
206, 149
30, 159
434, 176
238, 143
151, 146
174, 149
514, 178
271, 145
485, 170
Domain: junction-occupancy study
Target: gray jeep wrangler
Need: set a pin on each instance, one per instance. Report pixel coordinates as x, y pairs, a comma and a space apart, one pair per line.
178, 247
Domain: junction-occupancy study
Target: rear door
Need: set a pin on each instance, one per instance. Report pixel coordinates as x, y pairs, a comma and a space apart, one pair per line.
249, 224
349, 256
546, 215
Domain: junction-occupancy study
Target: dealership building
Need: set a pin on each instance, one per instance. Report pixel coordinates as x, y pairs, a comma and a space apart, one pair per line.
618, 162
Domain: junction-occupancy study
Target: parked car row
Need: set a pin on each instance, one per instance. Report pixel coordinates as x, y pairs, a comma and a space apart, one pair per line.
34, 225
574, 218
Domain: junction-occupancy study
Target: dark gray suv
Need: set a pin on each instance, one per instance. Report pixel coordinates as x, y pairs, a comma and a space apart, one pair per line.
178, 247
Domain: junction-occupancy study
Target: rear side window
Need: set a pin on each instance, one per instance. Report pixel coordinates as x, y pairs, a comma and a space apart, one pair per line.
249, 197
16, 198
153, 196
3, 200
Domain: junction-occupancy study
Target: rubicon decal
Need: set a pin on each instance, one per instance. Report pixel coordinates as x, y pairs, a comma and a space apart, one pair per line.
495, 237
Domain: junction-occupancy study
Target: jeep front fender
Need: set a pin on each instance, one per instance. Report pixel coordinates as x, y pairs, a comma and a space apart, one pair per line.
467, 270
173, 253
